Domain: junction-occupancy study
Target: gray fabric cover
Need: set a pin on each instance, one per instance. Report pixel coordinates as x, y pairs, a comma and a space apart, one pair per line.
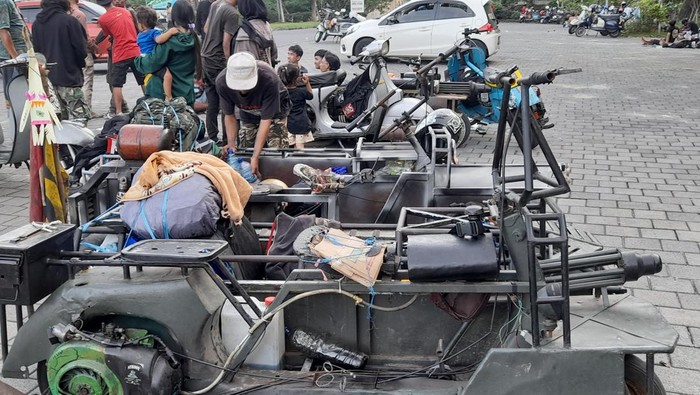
193, 208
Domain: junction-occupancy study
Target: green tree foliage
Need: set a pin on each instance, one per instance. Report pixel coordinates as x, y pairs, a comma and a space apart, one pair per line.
300, 10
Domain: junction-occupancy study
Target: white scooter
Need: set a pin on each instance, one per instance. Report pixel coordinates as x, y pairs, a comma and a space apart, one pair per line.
326, 112
14, 145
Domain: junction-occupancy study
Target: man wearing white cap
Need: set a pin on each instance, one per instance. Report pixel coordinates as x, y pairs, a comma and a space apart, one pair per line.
254, 87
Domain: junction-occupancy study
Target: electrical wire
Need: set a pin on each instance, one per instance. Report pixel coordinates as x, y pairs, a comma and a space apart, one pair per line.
441, 361
267, 317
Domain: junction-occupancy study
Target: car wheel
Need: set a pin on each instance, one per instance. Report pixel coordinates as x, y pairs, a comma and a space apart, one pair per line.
318, 36
580, 31
636, 377
483, 47
360, 45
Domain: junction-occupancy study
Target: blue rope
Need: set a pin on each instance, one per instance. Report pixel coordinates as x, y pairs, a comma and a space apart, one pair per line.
372, 294
164, 211
109, 248
145, 220
334, 239
194, 141
100, 217
150, 114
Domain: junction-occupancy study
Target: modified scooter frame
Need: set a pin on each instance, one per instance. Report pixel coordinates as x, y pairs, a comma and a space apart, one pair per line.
547, 311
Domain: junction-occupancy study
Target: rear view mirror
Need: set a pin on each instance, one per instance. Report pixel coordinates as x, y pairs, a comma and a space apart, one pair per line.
393, 19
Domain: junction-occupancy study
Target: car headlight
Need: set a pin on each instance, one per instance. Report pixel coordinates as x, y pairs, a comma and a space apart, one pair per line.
352, 29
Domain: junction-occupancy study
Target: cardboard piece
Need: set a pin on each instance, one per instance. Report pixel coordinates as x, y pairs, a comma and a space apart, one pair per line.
348, 256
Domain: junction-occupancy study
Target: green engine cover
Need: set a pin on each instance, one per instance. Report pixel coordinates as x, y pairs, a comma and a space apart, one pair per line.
79, 367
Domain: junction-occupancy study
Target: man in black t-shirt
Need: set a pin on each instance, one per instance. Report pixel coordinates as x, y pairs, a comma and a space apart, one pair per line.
263, 101
221, 28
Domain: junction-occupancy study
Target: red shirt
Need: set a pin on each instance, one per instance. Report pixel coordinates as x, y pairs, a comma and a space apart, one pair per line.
118, 23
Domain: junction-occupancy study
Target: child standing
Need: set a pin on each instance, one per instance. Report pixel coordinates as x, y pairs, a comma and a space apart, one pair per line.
298, 122
147, 39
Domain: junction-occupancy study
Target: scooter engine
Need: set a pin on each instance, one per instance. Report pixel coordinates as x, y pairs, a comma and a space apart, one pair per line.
114, 361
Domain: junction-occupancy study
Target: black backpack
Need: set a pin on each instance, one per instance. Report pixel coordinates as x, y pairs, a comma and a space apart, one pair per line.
356, 96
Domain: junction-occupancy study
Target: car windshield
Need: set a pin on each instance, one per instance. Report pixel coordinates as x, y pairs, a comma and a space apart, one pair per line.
30, 13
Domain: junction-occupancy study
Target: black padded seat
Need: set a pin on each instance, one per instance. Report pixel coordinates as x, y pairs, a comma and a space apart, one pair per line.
328, 78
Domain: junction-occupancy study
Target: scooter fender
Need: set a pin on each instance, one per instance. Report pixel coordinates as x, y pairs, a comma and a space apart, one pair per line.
159, 295
72, 133
321, 28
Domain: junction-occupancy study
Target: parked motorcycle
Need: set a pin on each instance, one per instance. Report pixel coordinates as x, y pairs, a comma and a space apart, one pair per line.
605, 24
326, 108
531, 16
574, 21
334, 23
14, 145
466, 63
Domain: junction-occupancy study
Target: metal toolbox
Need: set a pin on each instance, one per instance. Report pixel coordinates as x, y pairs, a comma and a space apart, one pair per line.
25, 276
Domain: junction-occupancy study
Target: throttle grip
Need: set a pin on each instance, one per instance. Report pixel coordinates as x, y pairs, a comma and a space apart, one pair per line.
354, 123
543, 77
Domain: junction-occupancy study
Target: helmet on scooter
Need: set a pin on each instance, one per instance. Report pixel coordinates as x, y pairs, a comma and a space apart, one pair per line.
447, 120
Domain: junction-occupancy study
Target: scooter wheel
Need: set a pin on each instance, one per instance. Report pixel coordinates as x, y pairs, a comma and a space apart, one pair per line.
615, 34
318, 36
325, 35
572, 29
580, 31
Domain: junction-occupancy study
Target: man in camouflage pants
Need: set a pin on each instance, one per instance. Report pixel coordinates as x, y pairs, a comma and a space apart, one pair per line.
62, 39
263, 101
72, 103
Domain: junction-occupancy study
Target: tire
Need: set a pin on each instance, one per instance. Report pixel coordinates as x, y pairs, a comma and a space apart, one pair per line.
42, 378
325, 35
636, 377
615, 34
467, 131
68, 154
318, 36
572, 29
580, 31
604, 33
360, 44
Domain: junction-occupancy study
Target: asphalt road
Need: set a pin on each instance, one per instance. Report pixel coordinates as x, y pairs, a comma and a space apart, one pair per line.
627, 125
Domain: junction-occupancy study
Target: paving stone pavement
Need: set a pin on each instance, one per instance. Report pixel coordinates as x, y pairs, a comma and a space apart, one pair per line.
628, 126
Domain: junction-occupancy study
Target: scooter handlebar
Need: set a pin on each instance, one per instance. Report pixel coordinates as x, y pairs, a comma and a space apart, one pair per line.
480, 88
542, 77
356, 122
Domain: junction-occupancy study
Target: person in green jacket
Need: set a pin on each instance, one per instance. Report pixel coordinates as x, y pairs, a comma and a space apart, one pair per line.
180, 54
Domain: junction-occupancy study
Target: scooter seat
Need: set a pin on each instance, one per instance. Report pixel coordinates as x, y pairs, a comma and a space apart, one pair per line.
328, 78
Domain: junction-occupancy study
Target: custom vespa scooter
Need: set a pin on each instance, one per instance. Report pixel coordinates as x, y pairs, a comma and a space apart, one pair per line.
327, 113
14, 144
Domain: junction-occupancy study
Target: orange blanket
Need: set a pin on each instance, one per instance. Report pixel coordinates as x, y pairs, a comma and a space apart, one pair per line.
166, 168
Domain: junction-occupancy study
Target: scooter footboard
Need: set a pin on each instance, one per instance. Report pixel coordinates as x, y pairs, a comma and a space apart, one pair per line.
557, 371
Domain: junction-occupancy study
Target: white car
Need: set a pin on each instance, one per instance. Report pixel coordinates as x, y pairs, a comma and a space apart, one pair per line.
426, 28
